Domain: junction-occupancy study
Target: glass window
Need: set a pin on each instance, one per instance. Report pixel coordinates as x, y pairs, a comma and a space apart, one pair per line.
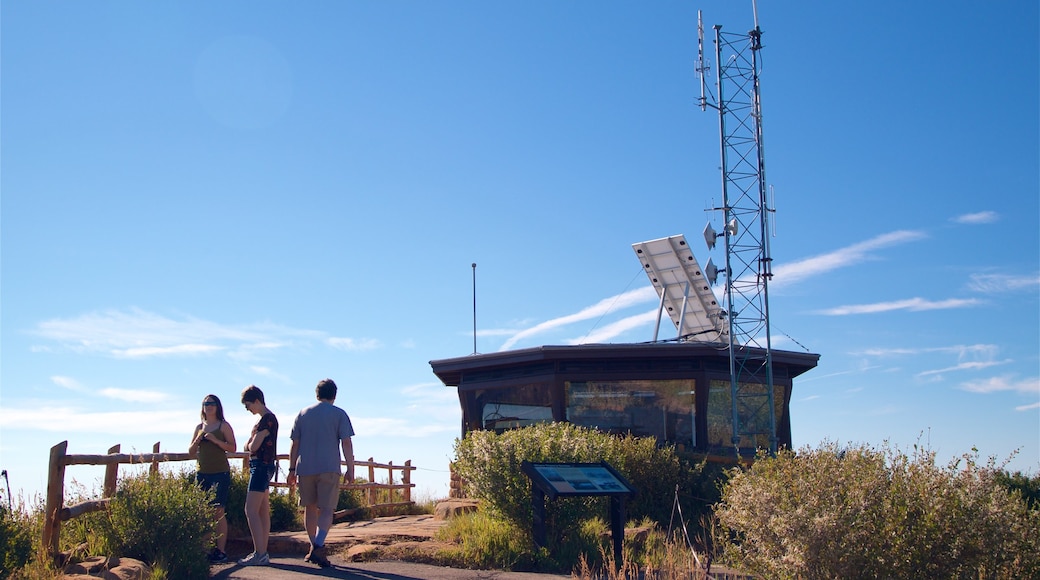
513, 407
753, 416
660, 408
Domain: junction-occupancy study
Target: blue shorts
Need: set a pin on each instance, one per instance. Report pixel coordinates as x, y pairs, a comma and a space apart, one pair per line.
260, 475
220, 483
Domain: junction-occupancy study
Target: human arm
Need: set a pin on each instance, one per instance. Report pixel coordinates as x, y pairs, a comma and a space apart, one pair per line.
196, 440
294, 453
348, 457
229, 443
257, 440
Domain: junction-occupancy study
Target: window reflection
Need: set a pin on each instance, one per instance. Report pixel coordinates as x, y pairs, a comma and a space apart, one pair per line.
665, 409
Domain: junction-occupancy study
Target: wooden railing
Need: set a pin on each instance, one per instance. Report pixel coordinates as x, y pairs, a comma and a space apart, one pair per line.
55, 512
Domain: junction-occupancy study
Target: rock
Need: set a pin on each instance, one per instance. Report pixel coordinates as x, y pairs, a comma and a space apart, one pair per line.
451, 508
362, 553
109, 569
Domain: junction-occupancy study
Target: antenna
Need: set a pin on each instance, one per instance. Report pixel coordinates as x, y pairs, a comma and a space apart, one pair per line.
745, 216
474, 265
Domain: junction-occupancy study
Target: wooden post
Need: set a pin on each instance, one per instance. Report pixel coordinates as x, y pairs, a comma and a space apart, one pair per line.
155, 462
111, 474
390, 493
407, 479
371, 479
55, 497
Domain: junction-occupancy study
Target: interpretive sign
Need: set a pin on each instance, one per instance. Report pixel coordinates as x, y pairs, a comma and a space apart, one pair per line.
578, 479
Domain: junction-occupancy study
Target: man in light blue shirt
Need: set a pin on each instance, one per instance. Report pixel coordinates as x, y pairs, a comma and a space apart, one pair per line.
319, 432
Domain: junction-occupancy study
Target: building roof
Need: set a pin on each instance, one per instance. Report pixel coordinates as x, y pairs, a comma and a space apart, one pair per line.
450, 370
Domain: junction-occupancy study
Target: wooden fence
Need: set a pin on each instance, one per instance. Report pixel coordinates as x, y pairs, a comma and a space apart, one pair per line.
55, 512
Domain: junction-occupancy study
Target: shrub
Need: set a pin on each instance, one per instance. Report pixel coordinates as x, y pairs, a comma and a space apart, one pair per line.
1027, 486
285, 507
859, 512
15, 540
159, 519
490, 463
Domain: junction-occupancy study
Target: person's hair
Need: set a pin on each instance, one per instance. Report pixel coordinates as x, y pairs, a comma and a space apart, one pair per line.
326, 389
252, 393
220, 407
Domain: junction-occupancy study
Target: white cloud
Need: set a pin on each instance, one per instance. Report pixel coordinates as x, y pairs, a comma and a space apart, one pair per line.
1003, 383
965, 366
802, 270
135, 333
994, 283
982, 217
68, 383
134, 396
71, 420
151, 351
911, 304
605, 306
1029, 407
616, 328
353, 344
961, 350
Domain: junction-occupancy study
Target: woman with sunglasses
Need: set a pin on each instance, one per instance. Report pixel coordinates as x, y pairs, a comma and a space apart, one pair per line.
212, 440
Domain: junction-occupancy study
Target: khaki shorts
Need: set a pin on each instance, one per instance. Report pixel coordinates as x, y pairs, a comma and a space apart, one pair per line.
321, 489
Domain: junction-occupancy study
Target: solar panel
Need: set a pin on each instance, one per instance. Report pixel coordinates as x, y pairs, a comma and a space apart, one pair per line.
683, 288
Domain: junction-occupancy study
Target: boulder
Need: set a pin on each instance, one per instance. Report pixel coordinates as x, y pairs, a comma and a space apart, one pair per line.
451, 508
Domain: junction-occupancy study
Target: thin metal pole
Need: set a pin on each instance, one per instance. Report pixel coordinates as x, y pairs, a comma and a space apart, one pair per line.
474, 308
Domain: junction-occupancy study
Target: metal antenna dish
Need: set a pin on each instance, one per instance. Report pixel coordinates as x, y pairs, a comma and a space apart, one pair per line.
683, 288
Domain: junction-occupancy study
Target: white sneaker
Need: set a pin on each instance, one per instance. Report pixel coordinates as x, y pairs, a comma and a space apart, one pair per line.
255, 559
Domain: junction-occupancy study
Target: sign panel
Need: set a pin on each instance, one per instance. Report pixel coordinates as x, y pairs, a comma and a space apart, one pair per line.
571, 479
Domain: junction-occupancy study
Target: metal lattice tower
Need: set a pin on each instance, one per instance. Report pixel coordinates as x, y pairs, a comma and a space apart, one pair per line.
745, 212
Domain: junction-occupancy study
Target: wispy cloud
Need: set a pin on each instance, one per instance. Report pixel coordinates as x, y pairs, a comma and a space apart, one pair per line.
997, 283
1028, 407
961, 350
137, 334
1029, 386
911, 304
982, 217
617, 328
353, 344
802, 270
128, 395
624, 300
134, 396
68, 420
965, 366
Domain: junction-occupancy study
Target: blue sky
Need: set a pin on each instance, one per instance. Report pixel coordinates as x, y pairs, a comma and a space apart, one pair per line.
197, 196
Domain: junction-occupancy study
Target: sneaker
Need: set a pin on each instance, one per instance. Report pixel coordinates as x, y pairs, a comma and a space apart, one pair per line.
310, 553
317, 556
217, 557
255, 559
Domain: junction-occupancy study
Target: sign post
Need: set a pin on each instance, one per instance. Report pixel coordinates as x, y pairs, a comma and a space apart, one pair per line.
578, 479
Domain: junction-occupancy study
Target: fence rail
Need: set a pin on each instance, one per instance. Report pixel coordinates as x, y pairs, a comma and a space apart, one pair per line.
56, 512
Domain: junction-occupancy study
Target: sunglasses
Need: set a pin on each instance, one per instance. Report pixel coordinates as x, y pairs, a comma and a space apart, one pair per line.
209, 404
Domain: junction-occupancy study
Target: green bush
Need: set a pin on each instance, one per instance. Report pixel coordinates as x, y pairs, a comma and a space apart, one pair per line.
490, 464
285, 507
849, 512
1027, 486
159, 519
15, 540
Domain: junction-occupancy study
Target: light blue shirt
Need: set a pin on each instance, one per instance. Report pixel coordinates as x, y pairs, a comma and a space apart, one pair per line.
319, 430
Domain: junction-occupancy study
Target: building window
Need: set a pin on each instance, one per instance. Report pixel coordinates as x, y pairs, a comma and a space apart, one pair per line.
665, 409
502, 409
753, 419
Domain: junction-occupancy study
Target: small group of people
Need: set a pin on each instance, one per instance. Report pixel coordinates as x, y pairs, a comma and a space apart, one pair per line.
319, 433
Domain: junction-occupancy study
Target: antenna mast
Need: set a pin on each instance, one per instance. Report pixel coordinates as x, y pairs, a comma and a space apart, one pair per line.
745, 213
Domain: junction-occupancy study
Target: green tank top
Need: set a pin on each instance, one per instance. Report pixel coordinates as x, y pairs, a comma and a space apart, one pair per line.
213, 459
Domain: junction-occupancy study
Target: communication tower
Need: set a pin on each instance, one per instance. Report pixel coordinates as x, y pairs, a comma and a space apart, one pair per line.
745, 213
